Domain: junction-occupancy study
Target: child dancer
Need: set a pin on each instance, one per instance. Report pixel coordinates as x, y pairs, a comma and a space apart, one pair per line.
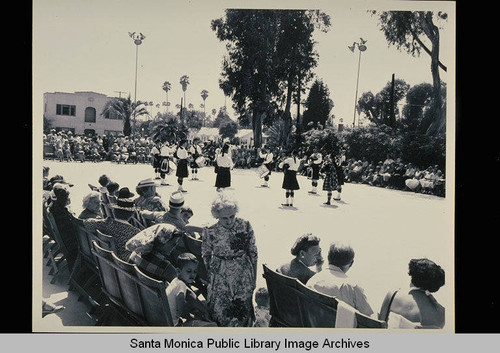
182, 164
290, 184
268, 161
331, 181
316, 160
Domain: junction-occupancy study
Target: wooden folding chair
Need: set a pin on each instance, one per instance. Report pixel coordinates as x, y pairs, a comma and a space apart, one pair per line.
58, 263
154, 300
318, 309
284, 299
104, 240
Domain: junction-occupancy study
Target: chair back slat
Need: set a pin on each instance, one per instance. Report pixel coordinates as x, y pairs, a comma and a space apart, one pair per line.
105, 241
364, 321
107, 272
129, 286
284, 299
318, 309
84, 240
154, 300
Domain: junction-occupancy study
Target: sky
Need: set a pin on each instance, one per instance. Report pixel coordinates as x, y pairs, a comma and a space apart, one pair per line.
85, 46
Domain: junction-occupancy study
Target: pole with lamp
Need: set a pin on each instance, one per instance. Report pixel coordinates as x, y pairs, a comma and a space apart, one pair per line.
361, 47
138, 38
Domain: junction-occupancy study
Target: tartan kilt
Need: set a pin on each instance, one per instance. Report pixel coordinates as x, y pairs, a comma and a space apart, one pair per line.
290, 180
223, 179
156, 161
182, 168
330, 182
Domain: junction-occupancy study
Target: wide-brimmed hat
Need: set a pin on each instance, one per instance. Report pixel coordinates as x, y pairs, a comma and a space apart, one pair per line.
176, 200
124, 199
146, 183
59, 190
58, 179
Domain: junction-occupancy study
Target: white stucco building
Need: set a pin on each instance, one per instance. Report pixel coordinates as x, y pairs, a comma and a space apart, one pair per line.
80, 113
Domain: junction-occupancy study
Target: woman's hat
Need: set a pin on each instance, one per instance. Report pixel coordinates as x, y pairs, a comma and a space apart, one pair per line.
146, 183
176, 200
59, 190
124, 199
58, 179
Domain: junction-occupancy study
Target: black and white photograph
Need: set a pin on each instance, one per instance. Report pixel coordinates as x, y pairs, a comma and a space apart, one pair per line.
236, 166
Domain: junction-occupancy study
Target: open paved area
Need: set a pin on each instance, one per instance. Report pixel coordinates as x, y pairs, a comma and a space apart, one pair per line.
385, 227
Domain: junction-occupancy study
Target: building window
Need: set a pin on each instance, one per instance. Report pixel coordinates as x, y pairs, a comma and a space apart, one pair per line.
65, 109
90, 115
112, 115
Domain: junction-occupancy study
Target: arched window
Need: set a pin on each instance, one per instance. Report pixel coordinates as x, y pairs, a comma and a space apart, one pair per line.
90, 115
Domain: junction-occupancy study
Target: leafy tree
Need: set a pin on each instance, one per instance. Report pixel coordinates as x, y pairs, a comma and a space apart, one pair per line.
228, 129
325, 140
418, 99
269, 53
318, 106
378, 108
222, 118
204, 96
409, 31
125, 109
374, 143
170, 130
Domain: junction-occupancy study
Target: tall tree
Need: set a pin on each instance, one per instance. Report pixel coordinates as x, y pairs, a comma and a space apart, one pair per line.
166, 87
270, 52
317, 106
204, 96
184, 81
125, 109
409, 31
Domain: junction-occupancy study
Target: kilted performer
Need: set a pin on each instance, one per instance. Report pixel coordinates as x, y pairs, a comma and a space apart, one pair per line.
290, 184
182, 163
268, 158
224, 166
315, 162
165, 152
340, 175
331, 182
155, 159
195, 152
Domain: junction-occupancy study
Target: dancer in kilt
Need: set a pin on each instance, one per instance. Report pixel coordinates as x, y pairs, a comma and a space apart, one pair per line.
224, 166
195, 152
268, 157
331, 182
155, 159
182, 164
165, 152
290, 184
316, 161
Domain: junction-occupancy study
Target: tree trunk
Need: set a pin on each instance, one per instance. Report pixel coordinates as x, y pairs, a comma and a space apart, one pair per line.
257, 118
438, 124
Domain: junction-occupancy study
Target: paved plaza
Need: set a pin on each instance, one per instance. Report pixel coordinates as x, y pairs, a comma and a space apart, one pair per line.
385, 227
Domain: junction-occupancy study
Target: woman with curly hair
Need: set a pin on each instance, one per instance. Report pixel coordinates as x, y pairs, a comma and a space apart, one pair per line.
416, 307
230, 255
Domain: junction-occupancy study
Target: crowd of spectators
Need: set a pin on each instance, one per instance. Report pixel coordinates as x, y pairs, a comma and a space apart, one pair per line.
394, 174
390, 173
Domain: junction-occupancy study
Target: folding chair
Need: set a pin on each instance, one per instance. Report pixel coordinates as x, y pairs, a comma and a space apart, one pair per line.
318, 309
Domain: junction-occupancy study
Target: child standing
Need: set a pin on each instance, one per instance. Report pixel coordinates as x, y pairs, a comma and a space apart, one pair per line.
262, 316
185, 307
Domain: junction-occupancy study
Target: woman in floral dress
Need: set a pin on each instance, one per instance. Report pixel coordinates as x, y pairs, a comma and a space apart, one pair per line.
230, 256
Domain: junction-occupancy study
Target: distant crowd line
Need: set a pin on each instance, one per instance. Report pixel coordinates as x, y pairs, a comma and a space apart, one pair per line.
390, 173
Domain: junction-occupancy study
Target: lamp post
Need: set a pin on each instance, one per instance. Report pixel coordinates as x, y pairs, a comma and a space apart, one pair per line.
138, 38
361, 47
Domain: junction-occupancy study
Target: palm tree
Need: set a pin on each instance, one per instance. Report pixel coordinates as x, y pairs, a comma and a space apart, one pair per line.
204, 96
166, 87
124, 109
184, 81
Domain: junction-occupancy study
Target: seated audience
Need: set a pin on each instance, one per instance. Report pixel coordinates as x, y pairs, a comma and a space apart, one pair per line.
333, 280
151, 250
186, 308
307, 253
119, 227
415, 307
148, 198
91, 204
112, 189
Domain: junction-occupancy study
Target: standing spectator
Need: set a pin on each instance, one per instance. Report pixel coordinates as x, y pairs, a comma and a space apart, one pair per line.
333, 280
230, 256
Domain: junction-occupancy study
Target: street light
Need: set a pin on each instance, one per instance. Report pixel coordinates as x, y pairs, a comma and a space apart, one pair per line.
362, 47
138, 38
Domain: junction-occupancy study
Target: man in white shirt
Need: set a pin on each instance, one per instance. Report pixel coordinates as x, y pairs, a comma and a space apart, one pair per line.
268, 157
333, 280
